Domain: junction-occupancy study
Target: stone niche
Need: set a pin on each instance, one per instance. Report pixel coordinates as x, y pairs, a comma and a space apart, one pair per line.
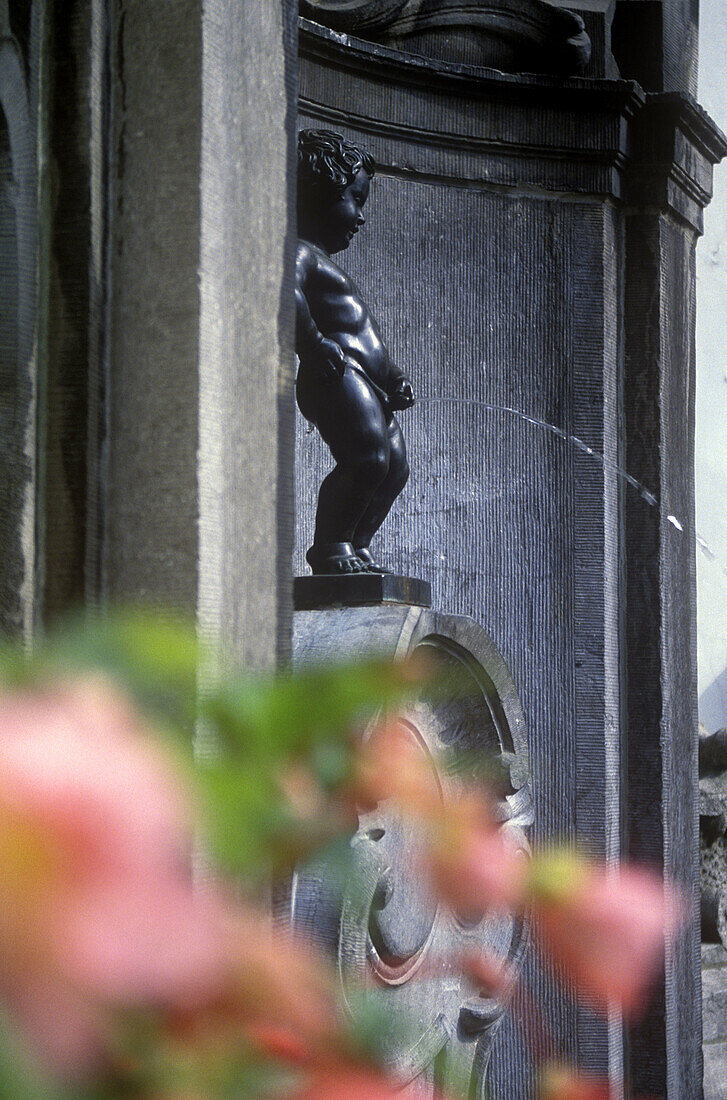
529, 255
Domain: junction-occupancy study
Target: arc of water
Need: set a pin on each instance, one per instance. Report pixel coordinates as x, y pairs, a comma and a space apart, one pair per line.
575, 441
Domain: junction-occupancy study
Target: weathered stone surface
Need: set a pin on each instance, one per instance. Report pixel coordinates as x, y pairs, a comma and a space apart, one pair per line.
385, 923
714, 1004
153, 387
712, 754
714, 999
76, 271
364, 588
712, 834
199, 507
19, 326
715, 1070
510, 35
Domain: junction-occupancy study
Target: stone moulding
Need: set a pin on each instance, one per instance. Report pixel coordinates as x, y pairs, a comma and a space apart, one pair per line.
511, 35
358, 15
570, 135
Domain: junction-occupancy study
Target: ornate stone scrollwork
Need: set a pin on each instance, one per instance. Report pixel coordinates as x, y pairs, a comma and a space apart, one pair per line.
387, 928
509, 35
392, 928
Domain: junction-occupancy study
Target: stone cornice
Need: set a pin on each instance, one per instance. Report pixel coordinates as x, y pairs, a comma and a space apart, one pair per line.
569, 135
346, 51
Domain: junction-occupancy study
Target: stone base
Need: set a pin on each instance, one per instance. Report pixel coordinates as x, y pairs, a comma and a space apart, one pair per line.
359, 590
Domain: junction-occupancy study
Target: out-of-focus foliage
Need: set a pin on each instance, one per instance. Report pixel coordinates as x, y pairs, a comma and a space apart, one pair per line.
126, 747
266, 738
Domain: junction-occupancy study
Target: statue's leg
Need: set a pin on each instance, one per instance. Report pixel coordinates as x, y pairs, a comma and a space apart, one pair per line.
383, 498
352, 423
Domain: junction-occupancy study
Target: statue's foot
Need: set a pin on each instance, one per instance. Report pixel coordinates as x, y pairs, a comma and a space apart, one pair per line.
370, 566
334, 559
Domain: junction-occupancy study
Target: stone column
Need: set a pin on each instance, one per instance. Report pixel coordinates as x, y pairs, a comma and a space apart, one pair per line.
656, 43
670, 184
198, 514
21, 92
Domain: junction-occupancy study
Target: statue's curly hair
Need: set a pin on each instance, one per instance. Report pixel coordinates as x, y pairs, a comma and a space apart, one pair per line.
326, 160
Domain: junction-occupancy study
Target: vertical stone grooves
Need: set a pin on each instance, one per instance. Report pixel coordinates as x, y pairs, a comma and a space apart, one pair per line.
662, 769
489, 298
644, 661
18, 336
99, 273
245, 346
593, 423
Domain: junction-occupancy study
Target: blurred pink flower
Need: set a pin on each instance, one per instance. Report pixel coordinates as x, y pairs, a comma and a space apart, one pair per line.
561, 1083
352, 1083
606, 929
278, 995
490, 974
475, 865
97, 901
390, 766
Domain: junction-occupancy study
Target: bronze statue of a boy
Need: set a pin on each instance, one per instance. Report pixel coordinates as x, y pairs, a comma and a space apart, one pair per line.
347, 384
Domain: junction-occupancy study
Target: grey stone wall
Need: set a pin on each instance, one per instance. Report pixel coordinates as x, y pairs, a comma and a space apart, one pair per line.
714, 981
530, 250
20, 93
146, 333
199, 506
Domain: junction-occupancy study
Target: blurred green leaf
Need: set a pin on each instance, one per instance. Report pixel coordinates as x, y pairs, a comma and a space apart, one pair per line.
153, 655
20, 1077
453, 1073
218, 1067
375, 1029
294, 711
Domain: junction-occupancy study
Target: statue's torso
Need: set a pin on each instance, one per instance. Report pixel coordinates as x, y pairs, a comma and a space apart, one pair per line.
341, 314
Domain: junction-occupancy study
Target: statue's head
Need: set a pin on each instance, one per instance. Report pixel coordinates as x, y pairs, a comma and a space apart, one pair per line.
333, 185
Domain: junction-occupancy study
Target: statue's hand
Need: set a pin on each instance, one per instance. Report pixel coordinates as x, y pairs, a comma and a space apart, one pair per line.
330, 360
402, 396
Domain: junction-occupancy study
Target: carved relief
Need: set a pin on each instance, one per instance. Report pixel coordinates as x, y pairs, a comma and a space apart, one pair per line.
392, 928
387, 927
353, 15
510, 35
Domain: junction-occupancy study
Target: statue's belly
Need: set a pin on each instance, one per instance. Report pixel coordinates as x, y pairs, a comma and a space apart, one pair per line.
369, 352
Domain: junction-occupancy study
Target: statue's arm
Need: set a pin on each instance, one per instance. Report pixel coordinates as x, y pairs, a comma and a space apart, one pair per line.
395, 377
310, 344
308, 337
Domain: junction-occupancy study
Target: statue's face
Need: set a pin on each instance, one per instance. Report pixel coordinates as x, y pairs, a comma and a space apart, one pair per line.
345, 217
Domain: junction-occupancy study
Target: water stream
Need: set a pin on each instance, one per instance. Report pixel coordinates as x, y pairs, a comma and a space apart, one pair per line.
573, 440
